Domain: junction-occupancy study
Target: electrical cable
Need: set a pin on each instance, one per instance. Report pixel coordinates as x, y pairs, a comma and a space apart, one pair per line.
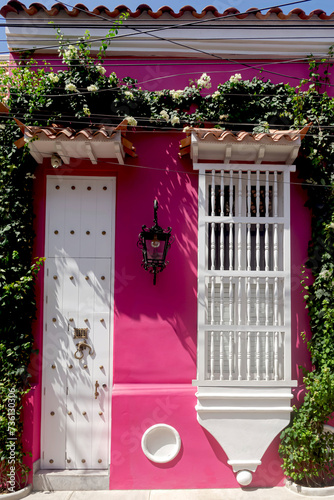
199, 50
162, 27
196, 173
161, 129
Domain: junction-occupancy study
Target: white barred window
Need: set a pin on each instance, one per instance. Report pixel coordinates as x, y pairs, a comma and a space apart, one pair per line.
244, 273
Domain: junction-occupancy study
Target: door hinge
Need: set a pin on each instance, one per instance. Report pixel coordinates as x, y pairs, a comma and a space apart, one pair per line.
46, 299
44, 391
47, 272
43, 454
66, 391
46, 326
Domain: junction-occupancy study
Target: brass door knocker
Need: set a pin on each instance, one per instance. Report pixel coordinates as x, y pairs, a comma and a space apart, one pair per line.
80, 348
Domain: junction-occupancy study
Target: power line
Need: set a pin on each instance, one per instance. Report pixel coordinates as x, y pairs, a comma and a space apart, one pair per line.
159, 127
162, 27
196, 173
200, 50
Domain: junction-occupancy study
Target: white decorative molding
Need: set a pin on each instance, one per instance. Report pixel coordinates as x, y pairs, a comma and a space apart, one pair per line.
272, 38
244, 421
208, 145
78, 146
161, 443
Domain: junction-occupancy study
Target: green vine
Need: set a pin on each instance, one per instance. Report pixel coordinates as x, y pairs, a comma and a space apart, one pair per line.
78, 96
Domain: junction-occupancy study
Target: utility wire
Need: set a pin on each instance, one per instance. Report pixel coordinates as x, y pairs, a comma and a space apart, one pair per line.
161, 27
89, 124
203, 51
195, 173
200, 50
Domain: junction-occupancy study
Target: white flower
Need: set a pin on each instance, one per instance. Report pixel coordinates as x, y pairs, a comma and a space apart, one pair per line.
112, 77
176, 94
30, 176
186, 129
129, 95
204, 82
235, 78
164, 115
92, 88
174, 120
215, 94
86, 110
70, 53
101, 69
131, 121
54, 78
325, 274
71, 87
223, 117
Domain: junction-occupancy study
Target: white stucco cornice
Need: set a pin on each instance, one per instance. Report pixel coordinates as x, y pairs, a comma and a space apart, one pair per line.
268, 37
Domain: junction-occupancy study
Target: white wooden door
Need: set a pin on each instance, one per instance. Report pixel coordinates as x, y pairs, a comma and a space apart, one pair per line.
78, 303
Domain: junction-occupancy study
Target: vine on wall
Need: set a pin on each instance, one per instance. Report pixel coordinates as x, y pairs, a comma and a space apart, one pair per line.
76, 96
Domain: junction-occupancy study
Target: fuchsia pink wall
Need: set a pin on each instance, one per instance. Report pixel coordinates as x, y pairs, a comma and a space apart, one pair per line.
155, 326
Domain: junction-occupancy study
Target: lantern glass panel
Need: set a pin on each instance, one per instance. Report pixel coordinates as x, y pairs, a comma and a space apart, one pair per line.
155, 248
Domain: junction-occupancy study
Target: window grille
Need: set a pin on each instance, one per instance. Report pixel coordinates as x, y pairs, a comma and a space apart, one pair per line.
244, 273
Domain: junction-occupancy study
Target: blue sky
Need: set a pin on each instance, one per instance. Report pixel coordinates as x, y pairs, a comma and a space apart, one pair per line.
221, 5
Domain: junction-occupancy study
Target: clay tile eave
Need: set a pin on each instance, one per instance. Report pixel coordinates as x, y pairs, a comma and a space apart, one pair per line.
192, 10
212, 9
321, 14
15, 6
12, 6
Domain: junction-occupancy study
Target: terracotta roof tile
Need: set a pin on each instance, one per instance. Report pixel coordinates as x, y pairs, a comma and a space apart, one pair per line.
217, 135
57, 132
14, 6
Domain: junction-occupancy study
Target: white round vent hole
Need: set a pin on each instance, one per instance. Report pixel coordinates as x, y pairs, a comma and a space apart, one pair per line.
161, 443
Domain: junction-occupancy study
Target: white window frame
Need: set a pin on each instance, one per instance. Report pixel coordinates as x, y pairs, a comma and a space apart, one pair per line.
206, 171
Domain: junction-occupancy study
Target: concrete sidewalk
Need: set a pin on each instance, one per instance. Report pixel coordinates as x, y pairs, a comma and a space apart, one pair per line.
222, 494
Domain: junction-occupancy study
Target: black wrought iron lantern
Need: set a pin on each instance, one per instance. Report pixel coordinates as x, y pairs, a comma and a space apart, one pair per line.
155, 243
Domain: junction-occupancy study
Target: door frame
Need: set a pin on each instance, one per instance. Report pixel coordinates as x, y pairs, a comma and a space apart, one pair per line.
111, 179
